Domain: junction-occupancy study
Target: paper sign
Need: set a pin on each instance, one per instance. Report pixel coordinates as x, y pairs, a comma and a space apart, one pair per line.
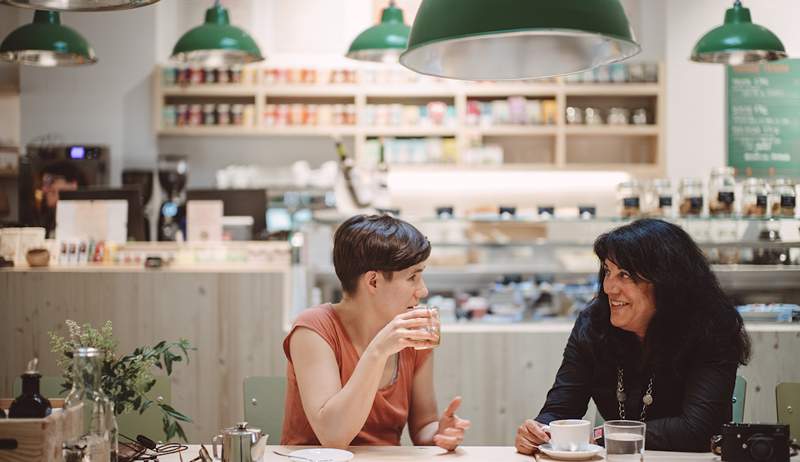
100, 220
204, 221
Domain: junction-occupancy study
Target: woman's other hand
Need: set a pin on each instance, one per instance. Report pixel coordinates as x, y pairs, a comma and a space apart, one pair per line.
529, 436
451, 427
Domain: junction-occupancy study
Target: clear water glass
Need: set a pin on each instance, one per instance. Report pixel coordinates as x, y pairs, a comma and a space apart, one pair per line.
624, 440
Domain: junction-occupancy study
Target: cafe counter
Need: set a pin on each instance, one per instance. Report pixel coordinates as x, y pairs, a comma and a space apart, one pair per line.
232, 312
237, 317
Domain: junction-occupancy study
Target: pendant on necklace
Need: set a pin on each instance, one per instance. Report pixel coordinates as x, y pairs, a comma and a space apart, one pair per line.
621, 397
647, 399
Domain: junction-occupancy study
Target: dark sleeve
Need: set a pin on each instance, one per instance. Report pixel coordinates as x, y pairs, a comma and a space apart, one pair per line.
569, 396
706, 404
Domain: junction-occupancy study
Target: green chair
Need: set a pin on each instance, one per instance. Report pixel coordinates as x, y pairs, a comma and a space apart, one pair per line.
787, 399
739, 396
263, 405
132, 424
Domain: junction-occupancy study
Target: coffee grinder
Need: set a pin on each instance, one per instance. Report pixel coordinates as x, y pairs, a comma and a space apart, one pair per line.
172, 172
144, 180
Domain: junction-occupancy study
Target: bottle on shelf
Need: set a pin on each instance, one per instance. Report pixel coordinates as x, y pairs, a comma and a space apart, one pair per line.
30, 404
722, 192
99, 434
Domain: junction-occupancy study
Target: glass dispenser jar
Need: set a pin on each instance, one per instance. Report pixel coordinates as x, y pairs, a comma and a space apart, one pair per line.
755, 198
99, 434
663, 198
721, 192
691, 197
784, 198
630, 198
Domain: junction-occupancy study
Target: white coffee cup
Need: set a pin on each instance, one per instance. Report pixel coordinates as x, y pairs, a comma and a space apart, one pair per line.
570, 434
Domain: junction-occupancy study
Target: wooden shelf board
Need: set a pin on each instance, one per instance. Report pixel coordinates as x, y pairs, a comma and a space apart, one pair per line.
613, 130
212, 90
515, 130
511, 89
612, 89
243, 131
409, 131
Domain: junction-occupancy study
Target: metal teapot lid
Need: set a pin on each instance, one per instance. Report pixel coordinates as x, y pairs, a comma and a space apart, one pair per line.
241, 429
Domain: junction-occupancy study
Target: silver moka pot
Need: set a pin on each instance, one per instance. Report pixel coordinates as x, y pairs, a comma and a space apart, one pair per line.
240, 444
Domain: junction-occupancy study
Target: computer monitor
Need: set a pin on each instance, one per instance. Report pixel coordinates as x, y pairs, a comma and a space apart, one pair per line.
132, 194
237, 202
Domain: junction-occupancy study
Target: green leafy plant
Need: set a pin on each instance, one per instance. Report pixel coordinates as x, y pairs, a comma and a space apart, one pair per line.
126, 379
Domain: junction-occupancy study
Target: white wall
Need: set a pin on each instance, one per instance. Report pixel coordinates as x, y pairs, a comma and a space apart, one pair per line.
696, 118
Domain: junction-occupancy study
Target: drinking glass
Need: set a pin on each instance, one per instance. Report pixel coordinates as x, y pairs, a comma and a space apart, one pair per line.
624, 440
434, 326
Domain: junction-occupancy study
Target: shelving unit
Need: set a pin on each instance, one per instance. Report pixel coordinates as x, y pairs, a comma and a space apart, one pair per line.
559, 146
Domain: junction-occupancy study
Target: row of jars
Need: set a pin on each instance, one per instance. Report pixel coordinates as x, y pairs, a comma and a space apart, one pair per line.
515, 110
615, 116
434, 113
309, 115
759, 198
197, 115
196, 75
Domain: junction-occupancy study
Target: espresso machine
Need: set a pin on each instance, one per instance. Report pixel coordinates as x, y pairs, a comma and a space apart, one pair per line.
143, 179
172, 173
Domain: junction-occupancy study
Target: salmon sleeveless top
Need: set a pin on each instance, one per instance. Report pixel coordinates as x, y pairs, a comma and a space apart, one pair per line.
389, 413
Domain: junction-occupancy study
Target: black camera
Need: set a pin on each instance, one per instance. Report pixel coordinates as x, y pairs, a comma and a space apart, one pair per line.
752, 443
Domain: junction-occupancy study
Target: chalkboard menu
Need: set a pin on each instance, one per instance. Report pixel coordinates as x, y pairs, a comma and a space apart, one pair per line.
764, 119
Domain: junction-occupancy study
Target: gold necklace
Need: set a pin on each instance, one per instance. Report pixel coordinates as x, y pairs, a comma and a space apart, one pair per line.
647, 399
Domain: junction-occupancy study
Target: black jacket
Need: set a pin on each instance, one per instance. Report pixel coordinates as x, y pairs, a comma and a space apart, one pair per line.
689, 405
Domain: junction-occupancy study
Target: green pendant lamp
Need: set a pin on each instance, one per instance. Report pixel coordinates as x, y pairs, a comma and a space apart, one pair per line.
738, 41
81, 5
383, 42
517, 39
46, 43
216, 43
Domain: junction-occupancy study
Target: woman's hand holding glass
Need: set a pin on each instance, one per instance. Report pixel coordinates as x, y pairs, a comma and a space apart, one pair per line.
451, 427
404, 331
530, 435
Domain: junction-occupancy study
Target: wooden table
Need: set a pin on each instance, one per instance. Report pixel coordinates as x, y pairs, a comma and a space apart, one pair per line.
434, 454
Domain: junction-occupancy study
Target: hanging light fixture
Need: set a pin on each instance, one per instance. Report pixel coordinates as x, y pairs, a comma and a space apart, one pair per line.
383, 42
216, 42
513, 39
738, 41
81, 5
46, 43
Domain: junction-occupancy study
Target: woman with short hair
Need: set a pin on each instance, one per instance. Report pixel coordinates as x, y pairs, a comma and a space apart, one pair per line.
660, 343
361, 369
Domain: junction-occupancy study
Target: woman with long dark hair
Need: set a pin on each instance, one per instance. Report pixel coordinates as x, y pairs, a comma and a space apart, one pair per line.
660, 343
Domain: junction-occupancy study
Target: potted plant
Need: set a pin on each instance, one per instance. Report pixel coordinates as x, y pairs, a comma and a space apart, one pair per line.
125, 379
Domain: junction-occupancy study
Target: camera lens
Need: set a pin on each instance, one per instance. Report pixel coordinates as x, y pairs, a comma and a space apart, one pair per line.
760, 447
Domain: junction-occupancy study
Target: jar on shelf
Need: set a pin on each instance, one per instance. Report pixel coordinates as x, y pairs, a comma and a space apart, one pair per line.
630, 198
640, 117
195, 115
592, 116
170, 115
783, 198
691, 197
618, 116
721, 192
209, 114
237, 114
663, 198
756, 198
223, 114
182, 115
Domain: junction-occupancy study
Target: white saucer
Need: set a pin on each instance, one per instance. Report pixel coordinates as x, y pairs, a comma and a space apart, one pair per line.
333, 455
590, 452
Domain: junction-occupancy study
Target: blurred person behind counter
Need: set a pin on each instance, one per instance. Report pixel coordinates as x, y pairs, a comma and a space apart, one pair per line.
56, 177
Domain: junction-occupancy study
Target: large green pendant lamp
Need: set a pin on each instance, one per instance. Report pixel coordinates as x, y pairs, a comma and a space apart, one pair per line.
383, 42
738, 41
517, 39
216, 43
46, 43
81, 5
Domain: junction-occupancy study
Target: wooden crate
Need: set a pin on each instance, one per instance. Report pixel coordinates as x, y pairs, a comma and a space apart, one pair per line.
38, 440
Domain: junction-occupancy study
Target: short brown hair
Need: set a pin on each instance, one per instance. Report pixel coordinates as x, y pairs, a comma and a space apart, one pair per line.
376, 243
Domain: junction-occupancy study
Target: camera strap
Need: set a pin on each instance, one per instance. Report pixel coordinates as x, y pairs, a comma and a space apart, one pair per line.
647, 399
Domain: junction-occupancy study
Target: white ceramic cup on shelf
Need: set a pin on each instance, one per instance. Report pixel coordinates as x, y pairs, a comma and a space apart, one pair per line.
570, 434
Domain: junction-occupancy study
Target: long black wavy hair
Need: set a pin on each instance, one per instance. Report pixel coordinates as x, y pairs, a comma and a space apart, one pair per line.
690, 305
